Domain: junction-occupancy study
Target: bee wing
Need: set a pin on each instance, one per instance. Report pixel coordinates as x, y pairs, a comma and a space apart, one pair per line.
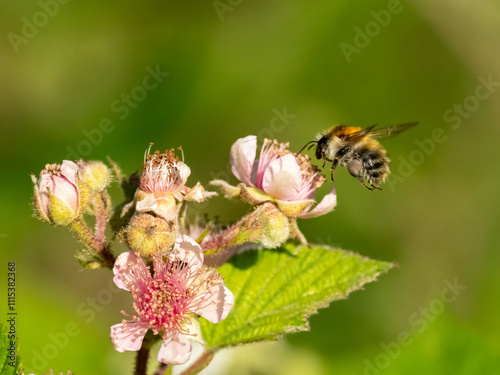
353, 137
390, 131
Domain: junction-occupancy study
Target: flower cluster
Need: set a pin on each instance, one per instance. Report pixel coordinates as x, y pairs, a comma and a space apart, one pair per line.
169, 267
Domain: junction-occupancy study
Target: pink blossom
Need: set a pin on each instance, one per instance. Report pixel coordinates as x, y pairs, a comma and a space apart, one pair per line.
59, 195
162, 185
169, 299
280, 176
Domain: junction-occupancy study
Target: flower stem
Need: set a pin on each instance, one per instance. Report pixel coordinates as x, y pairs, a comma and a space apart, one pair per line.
202, 362
101, 217
161, 370
100, 249
84, 235
141, 361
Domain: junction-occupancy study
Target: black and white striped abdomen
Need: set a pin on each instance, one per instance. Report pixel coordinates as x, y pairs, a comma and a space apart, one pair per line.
375, 164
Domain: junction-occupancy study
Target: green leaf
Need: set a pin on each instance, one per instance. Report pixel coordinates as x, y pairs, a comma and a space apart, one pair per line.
277, 290
8, 365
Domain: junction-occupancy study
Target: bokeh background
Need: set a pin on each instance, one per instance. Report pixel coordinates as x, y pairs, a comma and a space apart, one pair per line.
285, 70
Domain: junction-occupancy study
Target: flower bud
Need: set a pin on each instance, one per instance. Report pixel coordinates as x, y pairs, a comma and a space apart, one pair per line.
60, 197
266, 225
274, 226
95, 174
148, 235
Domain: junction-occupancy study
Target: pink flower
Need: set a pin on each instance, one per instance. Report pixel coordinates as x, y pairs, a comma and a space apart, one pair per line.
169, 299
280, 176
60, 197
162, 185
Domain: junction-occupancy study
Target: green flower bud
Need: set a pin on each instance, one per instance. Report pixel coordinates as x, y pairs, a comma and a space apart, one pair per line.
148, 235
95, 174
60, 197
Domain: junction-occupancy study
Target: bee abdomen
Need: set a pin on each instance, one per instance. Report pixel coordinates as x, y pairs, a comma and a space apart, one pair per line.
375, 165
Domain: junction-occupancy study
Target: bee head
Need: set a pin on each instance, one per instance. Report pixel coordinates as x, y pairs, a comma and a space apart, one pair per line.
322, 147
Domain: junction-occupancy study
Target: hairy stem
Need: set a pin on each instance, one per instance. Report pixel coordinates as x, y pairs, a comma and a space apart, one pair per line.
202, 362
101, 217
161, 370
141, 361
84, 235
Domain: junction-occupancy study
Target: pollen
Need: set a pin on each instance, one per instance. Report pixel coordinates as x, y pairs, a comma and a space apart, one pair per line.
162, 172
53, 169
166, 300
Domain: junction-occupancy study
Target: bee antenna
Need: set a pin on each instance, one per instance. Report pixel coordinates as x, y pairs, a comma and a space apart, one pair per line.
307, 144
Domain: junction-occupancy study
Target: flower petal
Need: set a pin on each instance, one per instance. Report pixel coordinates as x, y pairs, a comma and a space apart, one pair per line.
198, 193
193, 330
189, 251
184, 172
175, 350
69, 170
282, 178
326, 205
128, 337
242, 157
166, 206
145, 201
65, 191
127, 268
218, 305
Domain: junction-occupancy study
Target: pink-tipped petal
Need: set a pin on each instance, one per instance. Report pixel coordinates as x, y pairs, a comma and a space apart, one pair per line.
126, 269
242, 156
69, 170
218, 306
188, 250
66, 191
128, 337
175, 350
282, 178
326, 205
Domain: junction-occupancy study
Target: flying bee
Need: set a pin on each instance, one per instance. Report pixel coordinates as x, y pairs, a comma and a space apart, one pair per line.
358, 150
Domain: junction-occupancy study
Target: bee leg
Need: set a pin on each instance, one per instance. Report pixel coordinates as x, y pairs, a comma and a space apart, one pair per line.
365, 185
325, 159
355, 168
335, 162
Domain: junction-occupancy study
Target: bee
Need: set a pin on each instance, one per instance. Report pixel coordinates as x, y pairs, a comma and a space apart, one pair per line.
358, 150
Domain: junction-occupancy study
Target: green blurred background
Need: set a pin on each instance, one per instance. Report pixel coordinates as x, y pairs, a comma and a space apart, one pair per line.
233, 67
